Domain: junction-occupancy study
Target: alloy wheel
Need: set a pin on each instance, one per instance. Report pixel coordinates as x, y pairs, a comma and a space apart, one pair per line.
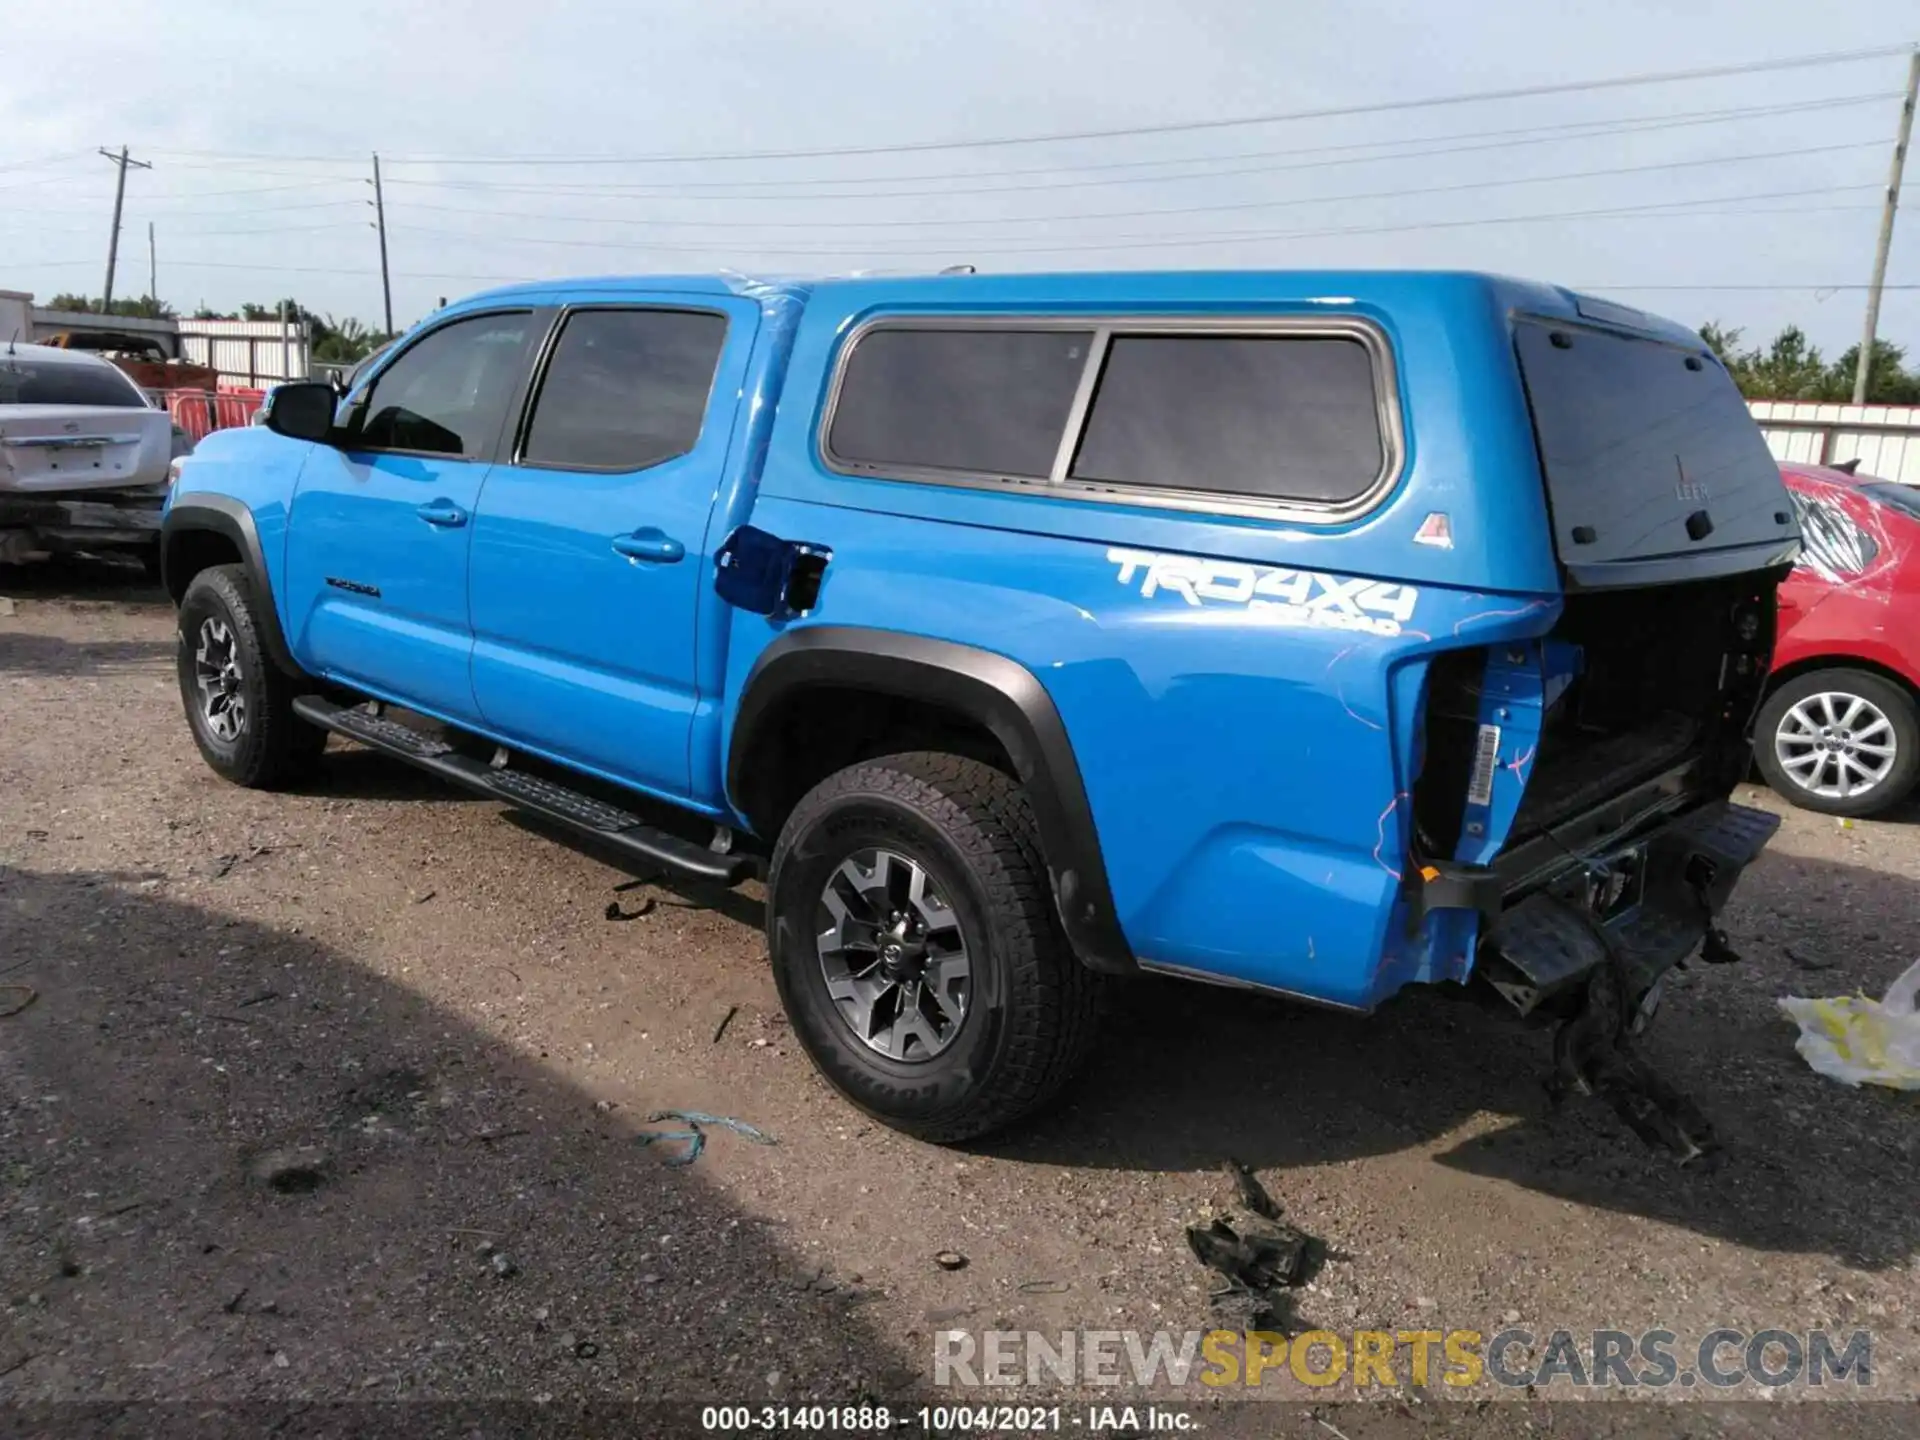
219, 680
893, 955
1835, 745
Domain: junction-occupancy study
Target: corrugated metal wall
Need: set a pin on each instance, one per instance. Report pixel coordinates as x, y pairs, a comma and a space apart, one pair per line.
1885, 439
247, 353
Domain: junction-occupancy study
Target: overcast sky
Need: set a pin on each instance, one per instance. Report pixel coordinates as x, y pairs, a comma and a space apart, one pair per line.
258, 119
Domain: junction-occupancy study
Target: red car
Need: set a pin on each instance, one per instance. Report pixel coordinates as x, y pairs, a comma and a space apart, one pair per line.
1840, 729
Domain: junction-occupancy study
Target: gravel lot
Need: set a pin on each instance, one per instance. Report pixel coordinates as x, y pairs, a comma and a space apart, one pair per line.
430, 1005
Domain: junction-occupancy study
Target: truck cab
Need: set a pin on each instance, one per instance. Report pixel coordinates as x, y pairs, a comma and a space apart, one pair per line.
1316, 633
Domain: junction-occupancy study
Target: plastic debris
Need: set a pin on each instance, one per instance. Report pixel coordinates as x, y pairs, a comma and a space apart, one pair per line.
1258, 1253
694, 1136
1860, 1041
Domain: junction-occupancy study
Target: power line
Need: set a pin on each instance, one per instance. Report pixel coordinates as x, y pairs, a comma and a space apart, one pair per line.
1525, 138
1521, 92
63, 157
1177, 127
1665, 209
523, 276
1532, 134
1398, 192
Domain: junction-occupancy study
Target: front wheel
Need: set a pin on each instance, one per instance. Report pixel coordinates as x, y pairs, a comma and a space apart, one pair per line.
1844, 742
913, 939
239, 704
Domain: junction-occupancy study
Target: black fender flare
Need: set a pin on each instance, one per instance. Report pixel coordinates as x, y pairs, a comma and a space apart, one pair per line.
225, 516
991, 690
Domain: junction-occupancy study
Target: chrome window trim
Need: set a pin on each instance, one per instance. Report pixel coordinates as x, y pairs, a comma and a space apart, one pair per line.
1103, 328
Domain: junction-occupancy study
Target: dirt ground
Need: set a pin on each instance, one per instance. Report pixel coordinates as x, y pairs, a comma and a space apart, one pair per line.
431, 1006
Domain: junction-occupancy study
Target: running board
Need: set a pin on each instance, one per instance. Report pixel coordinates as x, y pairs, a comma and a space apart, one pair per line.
583, 814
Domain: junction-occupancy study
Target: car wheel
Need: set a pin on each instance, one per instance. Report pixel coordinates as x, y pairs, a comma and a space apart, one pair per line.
1844, 742
914, 943
239, 704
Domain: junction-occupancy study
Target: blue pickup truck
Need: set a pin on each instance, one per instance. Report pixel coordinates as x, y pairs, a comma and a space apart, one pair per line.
1315, 633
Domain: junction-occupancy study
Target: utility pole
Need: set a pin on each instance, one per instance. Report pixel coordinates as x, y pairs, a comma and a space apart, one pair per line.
153, 267
1864, 370
380, 223
119, 199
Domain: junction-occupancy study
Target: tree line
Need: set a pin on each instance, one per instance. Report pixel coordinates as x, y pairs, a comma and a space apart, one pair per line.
338, 342
1790, 367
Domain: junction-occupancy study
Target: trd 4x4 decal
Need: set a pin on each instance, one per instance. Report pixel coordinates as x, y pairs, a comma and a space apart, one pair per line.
1286, 597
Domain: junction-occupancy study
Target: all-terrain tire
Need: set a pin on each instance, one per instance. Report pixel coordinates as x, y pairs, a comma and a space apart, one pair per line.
1033, 1008
1901, 731
268, 745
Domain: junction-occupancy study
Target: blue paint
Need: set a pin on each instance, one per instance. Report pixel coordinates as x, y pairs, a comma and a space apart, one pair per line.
1250, 774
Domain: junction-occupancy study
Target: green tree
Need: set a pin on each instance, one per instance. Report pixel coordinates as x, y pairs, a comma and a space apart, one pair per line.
1792, 369
339, 342
1723, 340
143, 307
1889, 382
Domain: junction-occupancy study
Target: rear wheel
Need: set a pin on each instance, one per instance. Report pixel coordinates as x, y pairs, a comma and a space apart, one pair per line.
1844, 742
239, 704
914, 943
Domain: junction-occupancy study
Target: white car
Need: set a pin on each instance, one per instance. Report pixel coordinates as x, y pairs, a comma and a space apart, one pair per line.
83, 455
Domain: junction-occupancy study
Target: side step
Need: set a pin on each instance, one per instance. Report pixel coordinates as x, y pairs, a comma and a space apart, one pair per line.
608, 824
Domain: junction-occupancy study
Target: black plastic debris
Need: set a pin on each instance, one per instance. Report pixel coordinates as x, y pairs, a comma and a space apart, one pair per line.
1260, 1256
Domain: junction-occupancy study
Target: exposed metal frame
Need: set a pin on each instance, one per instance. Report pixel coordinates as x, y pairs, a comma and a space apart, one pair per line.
1102, 328
529, 401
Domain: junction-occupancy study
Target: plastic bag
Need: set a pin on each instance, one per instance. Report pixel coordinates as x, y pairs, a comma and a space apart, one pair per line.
1862, 1041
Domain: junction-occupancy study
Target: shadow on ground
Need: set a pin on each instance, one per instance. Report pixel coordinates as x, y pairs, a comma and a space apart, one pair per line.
117, 579
174, 1062
30, 654
1188, 1075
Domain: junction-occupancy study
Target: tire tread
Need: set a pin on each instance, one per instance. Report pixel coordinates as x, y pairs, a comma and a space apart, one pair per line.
1053, 1001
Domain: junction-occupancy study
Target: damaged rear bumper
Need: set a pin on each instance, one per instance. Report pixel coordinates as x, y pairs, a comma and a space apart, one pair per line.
79, 520
1644, 905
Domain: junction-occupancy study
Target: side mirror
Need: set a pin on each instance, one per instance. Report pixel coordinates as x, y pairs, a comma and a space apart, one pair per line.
301, 410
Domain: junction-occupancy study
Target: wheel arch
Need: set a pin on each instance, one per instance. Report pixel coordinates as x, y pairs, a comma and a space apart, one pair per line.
1811, 664
984, 704
203, 529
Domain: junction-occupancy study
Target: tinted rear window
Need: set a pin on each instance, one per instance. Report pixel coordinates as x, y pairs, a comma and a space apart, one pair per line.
1637, 438
1904, 498
1278, 417
986, 402
625, 389
24, 382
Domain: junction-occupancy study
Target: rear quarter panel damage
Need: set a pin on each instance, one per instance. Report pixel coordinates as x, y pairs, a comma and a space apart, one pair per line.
1247, 734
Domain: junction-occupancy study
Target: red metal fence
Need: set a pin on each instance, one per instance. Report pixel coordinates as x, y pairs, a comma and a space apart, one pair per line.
200, 412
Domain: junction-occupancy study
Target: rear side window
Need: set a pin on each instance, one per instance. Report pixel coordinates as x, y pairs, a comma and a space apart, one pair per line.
625, 389
1904, 498
1273, 416
446, 394
1162, 412
1832, 544
984, 402
26, 382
